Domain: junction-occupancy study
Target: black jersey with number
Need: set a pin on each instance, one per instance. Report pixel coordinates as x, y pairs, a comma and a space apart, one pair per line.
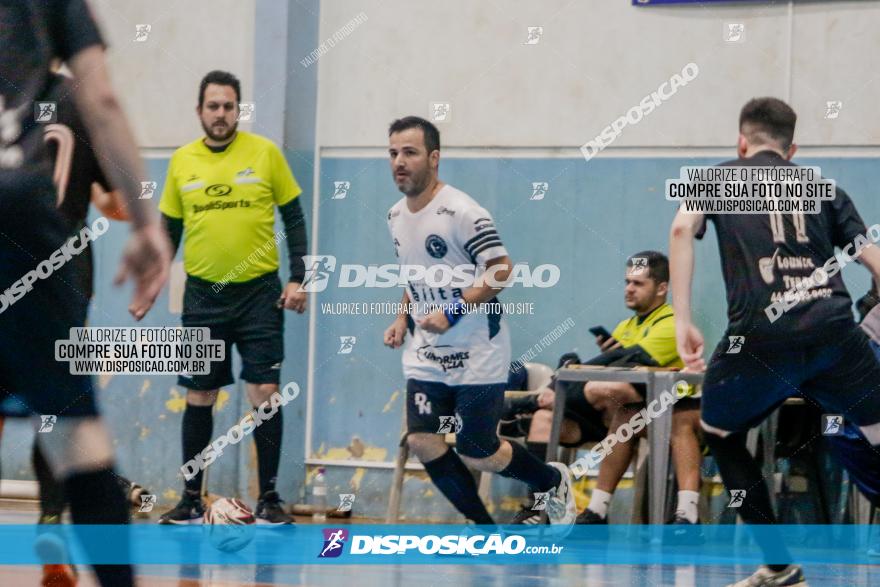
32, 33
765, 255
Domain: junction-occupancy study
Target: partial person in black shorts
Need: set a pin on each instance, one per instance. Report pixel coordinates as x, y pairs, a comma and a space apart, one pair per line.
782, 340
38, 305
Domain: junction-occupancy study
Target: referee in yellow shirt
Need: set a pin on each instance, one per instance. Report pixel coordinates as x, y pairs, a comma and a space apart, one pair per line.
221, 192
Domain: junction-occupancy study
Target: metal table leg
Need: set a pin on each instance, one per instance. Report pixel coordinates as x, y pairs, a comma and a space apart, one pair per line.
659, 435
556, 427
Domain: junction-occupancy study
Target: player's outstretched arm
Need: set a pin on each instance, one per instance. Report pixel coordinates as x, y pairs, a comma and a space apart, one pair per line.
689, 340
147, 254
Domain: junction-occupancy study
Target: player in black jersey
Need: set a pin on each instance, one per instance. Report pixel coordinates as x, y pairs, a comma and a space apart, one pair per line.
806, 345
40, 302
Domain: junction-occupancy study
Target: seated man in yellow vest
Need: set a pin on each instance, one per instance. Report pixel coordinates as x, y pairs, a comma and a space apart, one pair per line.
647, 338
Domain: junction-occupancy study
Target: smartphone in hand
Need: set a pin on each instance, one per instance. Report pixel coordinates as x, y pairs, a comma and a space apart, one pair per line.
601, 332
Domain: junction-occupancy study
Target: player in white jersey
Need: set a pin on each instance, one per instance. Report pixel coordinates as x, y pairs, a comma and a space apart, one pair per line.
457, 360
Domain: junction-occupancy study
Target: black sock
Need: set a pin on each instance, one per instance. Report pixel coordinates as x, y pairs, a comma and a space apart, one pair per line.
739, 470
268, 440
198, 424
453, 479
531, 471
777, 568
51, 491
95, 498
537, 449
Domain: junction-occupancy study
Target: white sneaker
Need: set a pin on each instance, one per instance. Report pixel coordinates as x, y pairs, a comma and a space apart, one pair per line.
790, 576
561, 508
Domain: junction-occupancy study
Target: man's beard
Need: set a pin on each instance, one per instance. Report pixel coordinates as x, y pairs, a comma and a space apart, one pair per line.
218, 135
418, 182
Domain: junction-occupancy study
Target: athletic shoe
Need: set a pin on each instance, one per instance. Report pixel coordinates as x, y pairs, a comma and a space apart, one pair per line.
59, 576
50, 546
527, 516
588, 516
684, 531
790, 576
561, 508
189, 510
271, 511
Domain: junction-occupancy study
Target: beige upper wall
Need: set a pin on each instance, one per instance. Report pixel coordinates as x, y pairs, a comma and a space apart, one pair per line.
596, 59
157, 80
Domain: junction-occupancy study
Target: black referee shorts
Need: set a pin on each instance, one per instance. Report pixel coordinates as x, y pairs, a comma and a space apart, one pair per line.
242, 314
37, 311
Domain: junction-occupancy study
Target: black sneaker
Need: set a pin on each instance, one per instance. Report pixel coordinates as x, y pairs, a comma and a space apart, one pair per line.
527, 516
684, 531
588, 516
271, 511
189, 510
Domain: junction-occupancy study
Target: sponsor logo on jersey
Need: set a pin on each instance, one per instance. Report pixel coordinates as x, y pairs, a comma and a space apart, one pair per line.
218, 189
445, 359
445, 210
436, 246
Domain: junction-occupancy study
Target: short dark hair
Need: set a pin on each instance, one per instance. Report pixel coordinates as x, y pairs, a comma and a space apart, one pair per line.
221, 78
432, 135
658, 264
768, 119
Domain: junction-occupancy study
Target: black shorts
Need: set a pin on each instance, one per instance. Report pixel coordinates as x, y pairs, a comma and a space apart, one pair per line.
471, 411
31, 380
588, 419
242, 314
842, 376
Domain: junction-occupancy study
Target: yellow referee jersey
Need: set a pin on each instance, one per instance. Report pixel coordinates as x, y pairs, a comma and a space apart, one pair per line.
655, 333
227, 202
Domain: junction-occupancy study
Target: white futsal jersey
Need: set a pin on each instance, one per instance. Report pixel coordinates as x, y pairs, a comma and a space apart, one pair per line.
453, 230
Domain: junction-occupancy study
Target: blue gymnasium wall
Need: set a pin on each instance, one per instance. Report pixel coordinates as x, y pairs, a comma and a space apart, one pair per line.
592, 218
